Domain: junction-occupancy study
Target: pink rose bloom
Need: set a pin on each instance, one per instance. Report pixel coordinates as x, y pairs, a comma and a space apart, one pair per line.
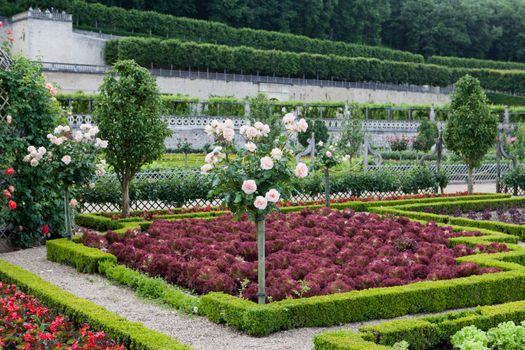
328, 154
258, 125
273, 195
228, 134
302, 125
252, 133
250, 146
249, 186
73, 203
511, 140
266, 163
301, 170
260, 203
288, 118
52, 89
11, 188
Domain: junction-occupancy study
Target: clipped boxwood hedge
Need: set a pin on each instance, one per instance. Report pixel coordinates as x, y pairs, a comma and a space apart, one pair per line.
133, 335
173, 53
123, 22
377, 303
462, 62
421, 333
417, 211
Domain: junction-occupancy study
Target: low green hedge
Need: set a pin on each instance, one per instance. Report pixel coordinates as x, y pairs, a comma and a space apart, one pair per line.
416, 211
133, 335
84, 260
421, 333
91, 260
377, 303
462, 62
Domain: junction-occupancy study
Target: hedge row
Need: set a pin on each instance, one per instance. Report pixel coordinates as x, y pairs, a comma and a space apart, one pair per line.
461, 62
377, 303
188, 186
417, 211
421, 333
132, 22
177, 54
91, 260
133, 335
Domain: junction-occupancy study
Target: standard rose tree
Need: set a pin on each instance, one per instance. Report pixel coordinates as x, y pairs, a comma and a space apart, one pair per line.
327, 157
254, 178
71, 159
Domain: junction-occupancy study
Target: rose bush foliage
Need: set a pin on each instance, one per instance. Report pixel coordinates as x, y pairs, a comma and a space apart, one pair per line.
308, 253
254, 178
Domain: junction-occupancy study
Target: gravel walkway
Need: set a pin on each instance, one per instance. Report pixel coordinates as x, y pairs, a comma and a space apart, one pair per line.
195, 331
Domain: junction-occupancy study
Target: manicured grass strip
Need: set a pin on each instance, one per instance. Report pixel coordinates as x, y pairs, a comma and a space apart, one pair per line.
92, 260
134, 335
422, 332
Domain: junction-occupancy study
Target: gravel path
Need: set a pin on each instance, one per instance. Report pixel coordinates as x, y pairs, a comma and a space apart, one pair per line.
195, 331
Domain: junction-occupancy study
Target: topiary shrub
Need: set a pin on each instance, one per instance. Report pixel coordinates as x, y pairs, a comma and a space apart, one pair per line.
427, 133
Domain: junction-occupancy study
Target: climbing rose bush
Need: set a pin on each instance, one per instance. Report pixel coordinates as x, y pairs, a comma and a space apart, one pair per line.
308, 253
255, 177
26, 324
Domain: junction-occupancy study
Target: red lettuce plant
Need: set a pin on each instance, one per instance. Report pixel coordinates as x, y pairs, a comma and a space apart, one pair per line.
308, 253
26, 324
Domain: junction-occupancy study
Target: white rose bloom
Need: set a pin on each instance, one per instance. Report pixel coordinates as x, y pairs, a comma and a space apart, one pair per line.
209, 130
289, 118
34, 162
66, 128
35, 154
228, 134
50, 137
277, 154
266, 163
258, 125
85, 127
78, 136
31, 149
27, 158
58, 129
206, 168
250, 146
242, 130
228, 123
66, 159
42, 151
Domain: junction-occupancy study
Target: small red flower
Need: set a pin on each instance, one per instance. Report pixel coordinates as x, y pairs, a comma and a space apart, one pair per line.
10, 171
12, 205
7, 194
45, 229
9, 32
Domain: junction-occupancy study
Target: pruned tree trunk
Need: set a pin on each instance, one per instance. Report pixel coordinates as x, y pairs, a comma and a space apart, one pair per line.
327, 187
261, 259
470, 179
125, 202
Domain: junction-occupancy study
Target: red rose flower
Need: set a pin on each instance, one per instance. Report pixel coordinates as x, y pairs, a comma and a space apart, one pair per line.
10, 171
45, 229
11, 205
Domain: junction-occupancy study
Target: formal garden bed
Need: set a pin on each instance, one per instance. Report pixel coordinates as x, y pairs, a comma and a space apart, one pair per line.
308, 253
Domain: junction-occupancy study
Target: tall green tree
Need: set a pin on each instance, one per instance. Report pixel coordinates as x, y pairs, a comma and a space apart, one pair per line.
128, 114
261, 109
471, 129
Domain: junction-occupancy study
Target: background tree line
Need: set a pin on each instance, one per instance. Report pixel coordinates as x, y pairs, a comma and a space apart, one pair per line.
471, 28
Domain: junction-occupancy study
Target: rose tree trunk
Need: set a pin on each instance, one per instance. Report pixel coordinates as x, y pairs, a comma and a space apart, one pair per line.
261, 268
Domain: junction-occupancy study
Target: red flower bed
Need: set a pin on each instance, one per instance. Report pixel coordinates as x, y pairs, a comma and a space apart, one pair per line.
25, 324
308, 253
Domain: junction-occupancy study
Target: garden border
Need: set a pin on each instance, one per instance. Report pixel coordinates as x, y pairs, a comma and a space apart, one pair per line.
410, 211
421, 332
375, 303
134, 335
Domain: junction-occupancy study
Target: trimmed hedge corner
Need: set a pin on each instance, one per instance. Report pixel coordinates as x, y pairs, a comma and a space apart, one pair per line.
421, 333
133, 335
83, 258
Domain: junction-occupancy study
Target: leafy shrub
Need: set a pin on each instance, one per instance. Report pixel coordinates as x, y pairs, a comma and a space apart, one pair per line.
310, 258
427, 133
399, 143
314, 126
515, 179
462, 62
